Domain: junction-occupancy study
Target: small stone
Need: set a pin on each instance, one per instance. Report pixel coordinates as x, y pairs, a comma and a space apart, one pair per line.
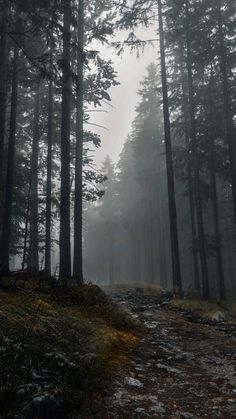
218, 317
158, 408
186, 415
21, 392
184, 357
141, 412
46, 406
133, 382
167, 368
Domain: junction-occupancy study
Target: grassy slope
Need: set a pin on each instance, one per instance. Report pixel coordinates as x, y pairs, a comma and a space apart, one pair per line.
206, 309
66, 344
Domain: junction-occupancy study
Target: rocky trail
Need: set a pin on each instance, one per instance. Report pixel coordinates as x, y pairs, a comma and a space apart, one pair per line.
180, 368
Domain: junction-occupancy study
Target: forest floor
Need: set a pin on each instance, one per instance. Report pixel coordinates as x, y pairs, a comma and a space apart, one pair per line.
183, 366
57, 347
76, 354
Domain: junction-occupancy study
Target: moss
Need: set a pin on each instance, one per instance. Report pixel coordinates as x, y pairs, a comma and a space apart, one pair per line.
71, 339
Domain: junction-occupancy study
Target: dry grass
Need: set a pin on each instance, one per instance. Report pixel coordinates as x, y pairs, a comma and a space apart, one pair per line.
72, 339
205, 309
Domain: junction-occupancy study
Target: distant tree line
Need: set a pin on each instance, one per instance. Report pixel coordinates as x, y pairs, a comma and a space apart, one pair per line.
197, 73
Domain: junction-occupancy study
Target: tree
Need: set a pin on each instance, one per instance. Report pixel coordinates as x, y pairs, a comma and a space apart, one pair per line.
177, 283
78, 211
3, 98
200, 223
65, 252
108, 211
7, 216
49, 181
33, 263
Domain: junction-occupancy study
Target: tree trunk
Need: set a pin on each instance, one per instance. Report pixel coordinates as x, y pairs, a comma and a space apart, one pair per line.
162, 238
219, 259
194, 147
111, 255
7, 216
26, 229
227, 107
190, 178
176, 272
65, 250
49, 182
3, 97
78, 214
33, 263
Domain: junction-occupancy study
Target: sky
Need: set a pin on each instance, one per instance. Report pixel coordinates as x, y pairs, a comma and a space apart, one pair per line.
117, 120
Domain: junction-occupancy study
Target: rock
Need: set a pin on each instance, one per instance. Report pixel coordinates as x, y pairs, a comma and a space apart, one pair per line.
186, 415
133, 382
218, 316
151, 324
167, 368
141, 412
119, 395
46, 406
184, 357
139, 290
158, 408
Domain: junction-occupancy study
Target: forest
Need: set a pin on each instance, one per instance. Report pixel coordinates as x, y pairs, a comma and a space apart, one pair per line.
115, 261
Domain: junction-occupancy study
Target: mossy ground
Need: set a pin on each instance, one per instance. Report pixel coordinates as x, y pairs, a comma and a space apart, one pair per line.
206, 309
64, 341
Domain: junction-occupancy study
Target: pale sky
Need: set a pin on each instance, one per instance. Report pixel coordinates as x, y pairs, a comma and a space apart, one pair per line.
118, 119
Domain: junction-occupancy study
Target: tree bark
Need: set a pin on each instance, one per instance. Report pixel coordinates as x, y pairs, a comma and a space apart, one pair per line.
7, 215
78, 210
111, 255
197, 285
26, 229
3, 97
176, 272
49, 182
162, 245
65, 250
227, 107
196, 179
33, 263
219, 258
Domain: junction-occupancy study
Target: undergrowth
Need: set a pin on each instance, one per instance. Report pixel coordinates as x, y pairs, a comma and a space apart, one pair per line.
206, 309
58, 344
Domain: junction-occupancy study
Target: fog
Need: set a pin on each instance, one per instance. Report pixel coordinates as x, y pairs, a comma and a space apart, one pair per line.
118, 117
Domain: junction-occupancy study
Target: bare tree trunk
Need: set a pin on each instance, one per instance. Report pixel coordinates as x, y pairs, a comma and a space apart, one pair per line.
194, 147
65, 250
3, 97
162, 245
190, 178
26, 229
78, 215
7, 216
227, 106
33, 263
49, 182
111, 255
177, 282
219, 259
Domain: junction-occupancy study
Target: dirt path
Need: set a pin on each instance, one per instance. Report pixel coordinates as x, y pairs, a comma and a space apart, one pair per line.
179, 369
